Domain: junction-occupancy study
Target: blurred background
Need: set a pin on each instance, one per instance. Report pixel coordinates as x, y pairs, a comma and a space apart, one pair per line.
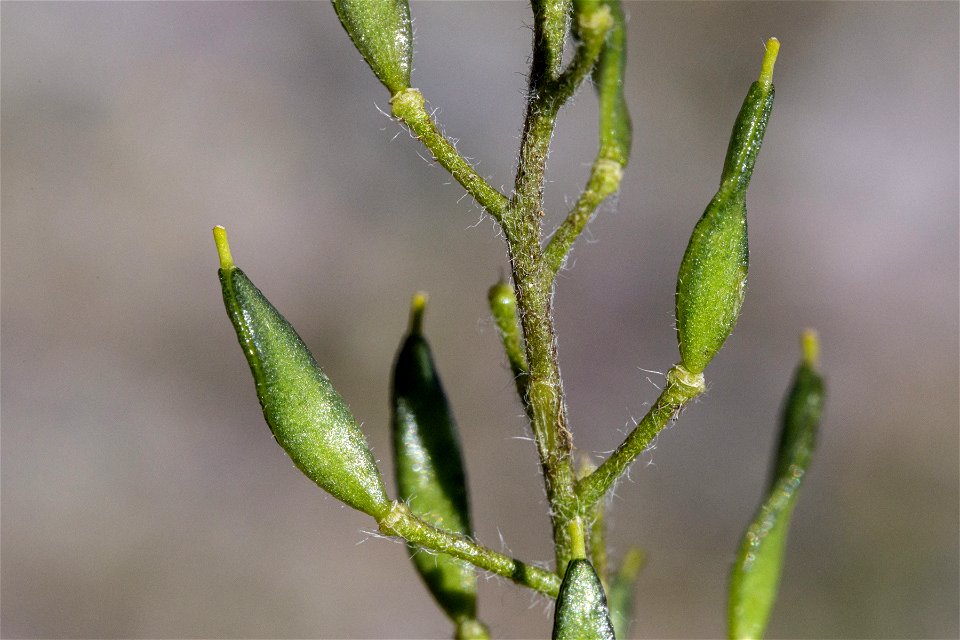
142, 495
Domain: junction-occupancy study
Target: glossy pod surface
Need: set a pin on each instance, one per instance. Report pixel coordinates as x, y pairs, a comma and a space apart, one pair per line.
581, 612
381, 32
430, 470
756, 573
713, 274
307, 416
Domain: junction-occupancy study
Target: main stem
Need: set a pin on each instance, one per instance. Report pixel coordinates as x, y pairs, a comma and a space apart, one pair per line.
534, 289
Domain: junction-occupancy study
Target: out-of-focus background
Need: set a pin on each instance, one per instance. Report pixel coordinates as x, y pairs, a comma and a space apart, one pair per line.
142, 495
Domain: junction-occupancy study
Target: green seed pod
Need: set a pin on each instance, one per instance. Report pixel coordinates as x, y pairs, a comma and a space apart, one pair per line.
713, 274
581, 605
756, 573
430, 471
381, 32
307, 416
616, 130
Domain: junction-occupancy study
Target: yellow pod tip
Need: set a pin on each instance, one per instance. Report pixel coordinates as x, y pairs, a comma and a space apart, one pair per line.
769, 59
810, 345
418, 306
223, 248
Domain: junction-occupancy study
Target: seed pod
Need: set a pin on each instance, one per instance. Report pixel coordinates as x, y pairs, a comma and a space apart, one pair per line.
756, 574
381, 32
430, 472
616, 130
581, 605
713, 274
307, 416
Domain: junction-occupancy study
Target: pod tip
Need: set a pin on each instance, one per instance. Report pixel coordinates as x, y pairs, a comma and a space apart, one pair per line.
810, 345
418, 306
223, 248
769, 59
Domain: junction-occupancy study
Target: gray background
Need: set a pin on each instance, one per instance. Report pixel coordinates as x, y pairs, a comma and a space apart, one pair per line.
143, 496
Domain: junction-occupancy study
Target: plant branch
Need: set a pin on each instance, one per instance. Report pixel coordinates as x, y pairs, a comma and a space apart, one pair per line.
409, 106
399, 521
604, 181
550, 23
681, 388
593, 27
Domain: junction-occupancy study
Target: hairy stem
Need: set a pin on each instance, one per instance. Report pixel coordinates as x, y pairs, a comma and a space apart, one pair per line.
550, 23
681, 388
399, 521
409, 106
604, 181
533, 281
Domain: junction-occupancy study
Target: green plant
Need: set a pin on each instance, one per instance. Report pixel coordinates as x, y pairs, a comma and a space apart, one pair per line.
311, 422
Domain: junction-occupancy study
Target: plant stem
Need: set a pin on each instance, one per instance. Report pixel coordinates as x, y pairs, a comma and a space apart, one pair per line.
409, 106
578, 543
593, 27
550, 23
681, 388
533, 281
604, 181
401, 522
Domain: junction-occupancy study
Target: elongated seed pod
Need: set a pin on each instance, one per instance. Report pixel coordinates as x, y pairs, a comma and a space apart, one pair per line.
307, 416
713, 274
756, 574
430, 471
616, 130
381, 32
581, 612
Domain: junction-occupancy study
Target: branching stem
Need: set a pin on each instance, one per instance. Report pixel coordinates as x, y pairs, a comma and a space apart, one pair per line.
533, 280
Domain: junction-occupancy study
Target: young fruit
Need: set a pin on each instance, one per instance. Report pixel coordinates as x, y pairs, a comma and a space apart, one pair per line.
381, 32
581, 606
713, 274
307, 416
430, 472
756, 573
